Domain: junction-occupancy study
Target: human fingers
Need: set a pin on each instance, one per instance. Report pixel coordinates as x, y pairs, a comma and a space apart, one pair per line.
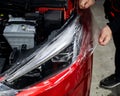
105, 35
101, 39
82, 3
88, 4
104, 40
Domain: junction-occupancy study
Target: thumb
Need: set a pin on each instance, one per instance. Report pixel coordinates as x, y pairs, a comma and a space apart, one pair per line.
102, 39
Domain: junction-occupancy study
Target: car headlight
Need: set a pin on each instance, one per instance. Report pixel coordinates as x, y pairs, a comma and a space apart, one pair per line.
62, 48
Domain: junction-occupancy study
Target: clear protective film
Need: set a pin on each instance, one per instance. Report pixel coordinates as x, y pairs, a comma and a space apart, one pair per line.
52, 48
75, 41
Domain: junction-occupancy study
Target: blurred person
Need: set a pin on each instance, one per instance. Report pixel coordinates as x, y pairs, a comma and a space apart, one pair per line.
112, 13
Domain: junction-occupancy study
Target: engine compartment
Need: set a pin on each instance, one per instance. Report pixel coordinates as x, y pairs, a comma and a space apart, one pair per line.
22, 34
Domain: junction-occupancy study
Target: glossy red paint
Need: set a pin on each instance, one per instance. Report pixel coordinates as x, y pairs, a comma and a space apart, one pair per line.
72, 81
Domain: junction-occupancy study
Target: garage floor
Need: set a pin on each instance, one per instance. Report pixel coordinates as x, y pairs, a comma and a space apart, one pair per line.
103, 63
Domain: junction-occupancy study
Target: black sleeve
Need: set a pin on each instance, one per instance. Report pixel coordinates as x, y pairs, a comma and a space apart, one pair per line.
115, 24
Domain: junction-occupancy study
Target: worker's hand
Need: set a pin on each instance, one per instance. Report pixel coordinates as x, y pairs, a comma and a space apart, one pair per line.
83, 4
105, 35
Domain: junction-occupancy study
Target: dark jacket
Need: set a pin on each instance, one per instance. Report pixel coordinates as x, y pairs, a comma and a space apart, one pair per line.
112, 13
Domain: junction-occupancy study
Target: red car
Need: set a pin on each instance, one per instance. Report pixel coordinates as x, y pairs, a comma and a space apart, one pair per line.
45, 48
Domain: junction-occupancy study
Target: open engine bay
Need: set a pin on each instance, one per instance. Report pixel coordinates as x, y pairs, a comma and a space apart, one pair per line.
24, 30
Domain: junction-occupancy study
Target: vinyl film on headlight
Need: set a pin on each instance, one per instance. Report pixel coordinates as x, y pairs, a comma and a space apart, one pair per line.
58, 50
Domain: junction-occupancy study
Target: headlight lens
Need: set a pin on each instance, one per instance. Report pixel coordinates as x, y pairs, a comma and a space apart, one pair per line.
64, 56
63, 49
